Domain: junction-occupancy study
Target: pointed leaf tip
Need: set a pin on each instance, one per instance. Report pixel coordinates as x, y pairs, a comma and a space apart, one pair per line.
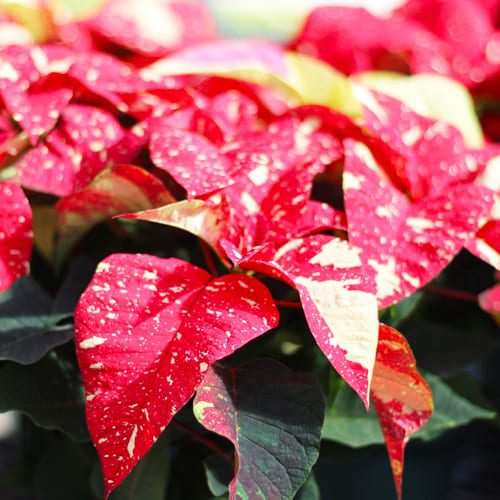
400, 395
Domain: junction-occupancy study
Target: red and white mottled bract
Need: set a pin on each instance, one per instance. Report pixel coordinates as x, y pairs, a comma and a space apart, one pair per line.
456, 38
35, 107
293, 146
434, 152
337, 292
146, 331
400, 395
16, 234
407, 243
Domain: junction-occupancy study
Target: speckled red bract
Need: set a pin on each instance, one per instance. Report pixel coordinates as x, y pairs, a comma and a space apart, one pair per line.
147, 330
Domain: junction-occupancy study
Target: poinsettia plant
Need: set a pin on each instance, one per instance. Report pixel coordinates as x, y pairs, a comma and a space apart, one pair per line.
217, 255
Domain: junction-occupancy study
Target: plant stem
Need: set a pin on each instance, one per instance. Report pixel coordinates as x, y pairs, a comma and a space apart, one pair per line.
207, 254
287, 304
16, 145
451, 293
198, 436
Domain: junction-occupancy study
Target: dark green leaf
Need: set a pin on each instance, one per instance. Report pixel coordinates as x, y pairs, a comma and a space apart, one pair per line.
28, 324
273, 417
219, 470
347, 422
148, 480
79, 276
444, 348
63, 472
309, 490
451, 410
50, 392
397, 313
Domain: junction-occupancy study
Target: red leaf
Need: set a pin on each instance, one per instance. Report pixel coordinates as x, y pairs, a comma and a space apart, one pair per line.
464, 24
192, 160
16, 234
290, 146
35, 105
333, 35
146, 331
72, 154
407, 243
400, 395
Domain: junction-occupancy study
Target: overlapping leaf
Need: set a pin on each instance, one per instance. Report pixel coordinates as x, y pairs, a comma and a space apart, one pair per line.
274, 427
348, 423
153, 28
208, 221
72, 154
116, 190
302, 79
332, 34
401, 397
147, 330
28, 323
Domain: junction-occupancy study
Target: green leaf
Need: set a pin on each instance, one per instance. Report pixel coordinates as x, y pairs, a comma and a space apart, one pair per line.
396, 314
147, 481
463, 344
451, 411
309, 490
50, 392
63, 472
28, 323
273, 417
347, 422
219, 470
